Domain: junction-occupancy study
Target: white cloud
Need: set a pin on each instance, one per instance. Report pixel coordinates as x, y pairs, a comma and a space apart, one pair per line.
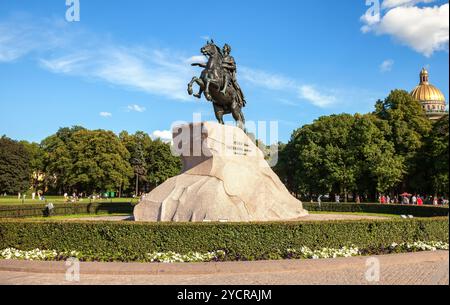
425, 29
315, 97
394, 3
386, 66
80, 53
164, 135
106, 114
66, 64
264, 79
196, 59
19, 38
279, 82
136, 108
150, 71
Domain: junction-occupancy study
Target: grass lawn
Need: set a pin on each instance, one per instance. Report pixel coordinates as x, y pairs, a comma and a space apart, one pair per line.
75, 216
356, 213
10, 200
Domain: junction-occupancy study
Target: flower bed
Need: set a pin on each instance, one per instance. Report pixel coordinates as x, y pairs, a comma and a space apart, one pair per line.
220, 255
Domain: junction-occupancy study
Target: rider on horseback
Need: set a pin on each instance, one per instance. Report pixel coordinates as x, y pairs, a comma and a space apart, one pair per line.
218, 83
229, 65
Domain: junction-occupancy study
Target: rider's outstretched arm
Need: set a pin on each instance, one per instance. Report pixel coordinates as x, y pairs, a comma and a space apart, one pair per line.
199, 65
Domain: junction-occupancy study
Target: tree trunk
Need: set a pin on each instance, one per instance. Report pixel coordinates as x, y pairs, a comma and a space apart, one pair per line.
137, 185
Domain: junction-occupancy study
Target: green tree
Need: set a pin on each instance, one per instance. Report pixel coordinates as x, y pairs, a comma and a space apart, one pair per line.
137, 144
379, 168
58, 162
322, 161
14, 167
37, 165
285, 165
100, 161
152, 160
341, 154
409, 127
161, 164
138, 163
77, 159
437, 155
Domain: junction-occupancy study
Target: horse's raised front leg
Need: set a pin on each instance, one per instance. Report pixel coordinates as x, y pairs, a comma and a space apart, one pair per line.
190, 90
201, 85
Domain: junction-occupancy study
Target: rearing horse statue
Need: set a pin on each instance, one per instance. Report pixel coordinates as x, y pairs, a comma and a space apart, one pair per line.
226, 98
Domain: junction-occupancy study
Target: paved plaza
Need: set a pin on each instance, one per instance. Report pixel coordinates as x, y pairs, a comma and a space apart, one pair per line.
411, 268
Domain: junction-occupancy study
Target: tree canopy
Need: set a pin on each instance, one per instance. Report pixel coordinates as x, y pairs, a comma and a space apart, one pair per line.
14, 166
395, 148
91, 161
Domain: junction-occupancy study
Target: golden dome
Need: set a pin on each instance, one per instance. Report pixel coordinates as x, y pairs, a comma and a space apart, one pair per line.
425, 92
431, 98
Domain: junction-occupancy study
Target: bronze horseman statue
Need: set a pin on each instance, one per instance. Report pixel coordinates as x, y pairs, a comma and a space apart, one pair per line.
218, 83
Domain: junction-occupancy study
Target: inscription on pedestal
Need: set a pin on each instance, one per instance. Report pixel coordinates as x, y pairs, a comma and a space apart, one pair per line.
240, 149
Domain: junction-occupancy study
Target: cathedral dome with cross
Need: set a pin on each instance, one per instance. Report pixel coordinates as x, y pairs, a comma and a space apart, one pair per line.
431, 98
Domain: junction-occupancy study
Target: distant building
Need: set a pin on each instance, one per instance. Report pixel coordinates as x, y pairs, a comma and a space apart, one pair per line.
431, 98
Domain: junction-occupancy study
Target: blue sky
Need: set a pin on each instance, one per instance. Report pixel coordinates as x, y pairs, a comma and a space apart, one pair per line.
125, 64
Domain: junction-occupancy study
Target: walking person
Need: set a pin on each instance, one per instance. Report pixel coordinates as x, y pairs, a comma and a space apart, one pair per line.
435, 201
405, 200
419, 201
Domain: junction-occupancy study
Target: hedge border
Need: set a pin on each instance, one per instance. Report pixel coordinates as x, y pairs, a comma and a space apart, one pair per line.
131, 241
394, 209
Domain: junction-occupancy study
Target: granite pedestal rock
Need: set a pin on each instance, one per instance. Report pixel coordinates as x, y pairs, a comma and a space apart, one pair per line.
225, 178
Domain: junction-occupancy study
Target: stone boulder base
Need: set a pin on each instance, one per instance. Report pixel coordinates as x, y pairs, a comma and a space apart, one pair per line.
225, 178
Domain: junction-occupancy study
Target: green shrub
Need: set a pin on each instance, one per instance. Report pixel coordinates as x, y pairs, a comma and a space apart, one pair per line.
394, 209
130, 241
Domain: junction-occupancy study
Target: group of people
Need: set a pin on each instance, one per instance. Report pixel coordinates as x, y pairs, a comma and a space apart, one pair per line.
74, 198
406, 199
39, 196
79, 197
415, 199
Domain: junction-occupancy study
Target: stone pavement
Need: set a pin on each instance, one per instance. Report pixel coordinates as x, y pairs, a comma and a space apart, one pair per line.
411, 268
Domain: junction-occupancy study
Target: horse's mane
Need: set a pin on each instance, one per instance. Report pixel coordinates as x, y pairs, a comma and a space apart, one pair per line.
219, 50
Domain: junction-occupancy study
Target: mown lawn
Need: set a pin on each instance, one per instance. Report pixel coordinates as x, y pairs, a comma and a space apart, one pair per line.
76, 216
356, 213
10, 200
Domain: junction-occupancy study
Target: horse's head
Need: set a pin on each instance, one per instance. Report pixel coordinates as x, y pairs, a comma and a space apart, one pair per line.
210, 49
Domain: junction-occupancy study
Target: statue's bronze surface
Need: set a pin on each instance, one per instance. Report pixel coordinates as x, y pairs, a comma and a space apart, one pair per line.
219, 84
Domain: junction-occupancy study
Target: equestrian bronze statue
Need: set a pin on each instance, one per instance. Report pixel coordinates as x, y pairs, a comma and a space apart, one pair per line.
218, 83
